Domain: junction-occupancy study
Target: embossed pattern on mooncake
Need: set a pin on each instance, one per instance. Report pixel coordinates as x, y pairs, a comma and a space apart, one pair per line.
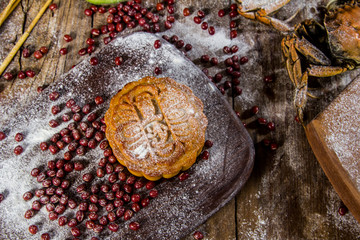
156, 127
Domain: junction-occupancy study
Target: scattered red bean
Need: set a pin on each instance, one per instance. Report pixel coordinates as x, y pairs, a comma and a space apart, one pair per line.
229, 61
170, 9
40, 88
63, 51
145, 202
54, 95
186, 12
270, 126
233, 6
72, 204
77, 117
36, 205
53, 123
18, 150
88, 12
197, 19
262, 121
19, 137
98, 228
21, 75
78, 166
233, 24
168, 24
40, 177
150, 185
237, 91
70, 103
268, 79
183, 176
211, 30
221, 13
75, 231
90, 41
62, 221
55, 109
273, 146
33, 229
82, 51
29, 214
45, 236
88, 177
157, 44
342, 210
113, 227
234, 49
214, 61
26, 53
30, 73
27, 196
134, 226
208, 144
53, 6
233, 14
153, 193
159, 6
102, 10
35, 172
44, 50
243, 60
94, 61
218, 77
68, 167
204, 25
119, 61
198, 235
233, 34
98, 100
66, 117
135, 198
205, 58
2, 136
255, 110
205, 155
90, 49
226, 49
201, 14
157, 70
38, 54
227, 85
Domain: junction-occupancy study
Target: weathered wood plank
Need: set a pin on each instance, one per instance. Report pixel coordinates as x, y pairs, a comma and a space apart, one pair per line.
288, 195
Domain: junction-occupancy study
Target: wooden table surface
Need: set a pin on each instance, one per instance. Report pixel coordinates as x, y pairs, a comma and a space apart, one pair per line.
288, 195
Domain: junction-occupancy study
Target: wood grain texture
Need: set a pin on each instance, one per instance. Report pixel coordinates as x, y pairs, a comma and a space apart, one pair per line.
180, 206
288, 196
341, 169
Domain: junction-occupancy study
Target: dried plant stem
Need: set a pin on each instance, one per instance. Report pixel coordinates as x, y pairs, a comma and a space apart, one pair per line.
23, 38
8, 10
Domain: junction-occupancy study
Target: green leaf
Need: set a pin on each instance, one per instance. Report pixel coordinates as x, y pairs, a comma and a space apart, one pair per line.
104, 2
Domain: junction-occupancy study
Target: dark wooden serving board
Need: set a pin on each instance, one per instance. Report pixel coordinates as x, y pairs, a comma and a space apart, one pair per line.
180, 206
334, 136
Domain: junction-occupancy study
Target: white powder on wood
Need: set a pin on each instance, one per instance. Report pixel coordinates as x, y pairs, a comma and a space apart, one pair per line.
343, 128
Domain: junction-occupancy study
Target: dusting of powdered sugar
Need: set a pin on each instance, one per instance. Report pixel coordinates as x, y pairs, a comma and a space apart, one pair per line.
179, 204
203, 43
343, 130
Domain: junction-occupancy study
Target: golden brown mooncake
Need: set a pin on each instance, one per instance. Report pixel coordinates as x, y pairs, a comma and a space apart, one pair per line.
156, 127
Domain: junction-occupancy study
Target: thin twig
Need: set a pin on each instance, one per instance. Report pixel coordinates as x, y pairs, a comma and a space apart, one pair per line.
7, 11
23, 38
